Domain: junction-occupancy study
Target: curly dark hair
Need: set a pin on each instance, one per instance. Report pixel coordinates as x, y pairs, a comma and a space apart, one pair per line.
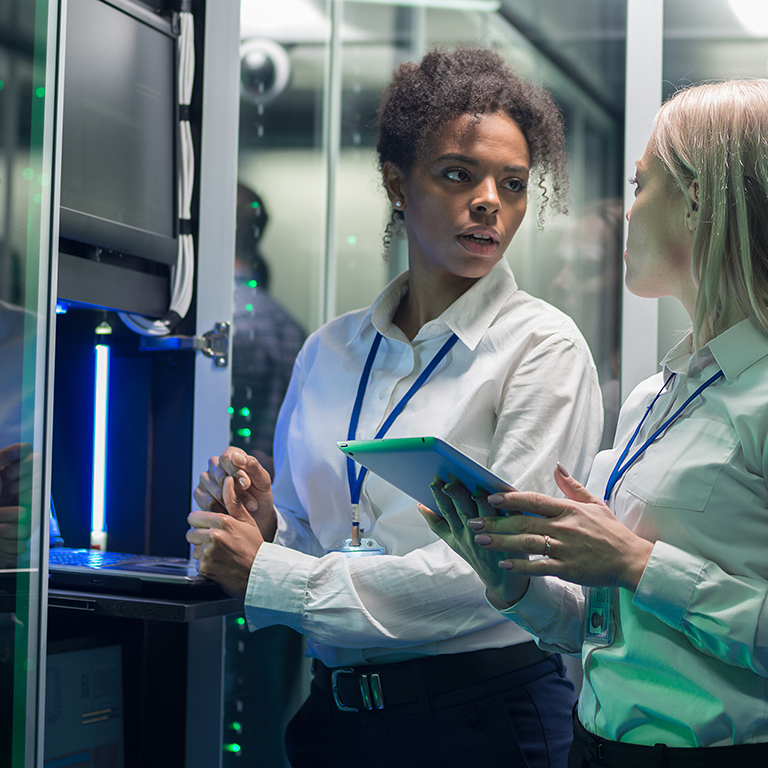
471, 81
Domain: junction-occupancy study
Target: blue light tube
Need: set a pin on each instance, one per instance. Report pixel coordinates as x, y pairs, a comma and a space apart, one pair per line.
100, 419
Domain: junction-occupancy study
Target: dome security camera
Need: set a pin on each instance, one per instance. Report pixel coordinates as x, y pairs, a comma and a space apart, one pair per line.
265, 70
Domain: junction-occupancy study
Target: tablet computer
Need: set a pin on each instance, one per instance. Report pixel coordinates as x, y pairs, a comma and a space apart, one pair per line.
412, 463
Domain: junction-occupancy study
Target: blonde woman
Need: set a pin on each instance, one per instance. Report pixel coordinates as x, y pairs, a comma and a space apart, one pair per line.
668, 539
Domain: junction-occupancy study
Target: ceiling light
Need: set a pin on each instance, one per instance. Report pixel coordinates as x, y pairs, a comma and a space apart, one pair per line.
752, 15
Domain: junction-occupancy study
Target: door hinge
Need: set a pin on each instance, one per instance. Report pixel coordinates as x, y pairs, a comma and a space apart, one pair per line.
214, 344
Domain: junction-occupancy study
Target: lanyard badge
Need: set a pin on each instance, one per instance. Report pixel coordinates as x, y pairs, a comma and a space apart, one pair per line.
598, 617
357, 545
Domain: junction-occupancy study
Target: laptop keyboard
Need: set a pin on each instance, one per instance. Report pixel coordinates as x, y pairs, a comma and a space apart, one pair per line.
95, 558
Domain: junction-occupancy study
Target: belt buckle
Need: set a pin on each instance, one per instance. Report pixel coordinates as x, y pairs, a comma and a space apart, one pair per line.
370, 690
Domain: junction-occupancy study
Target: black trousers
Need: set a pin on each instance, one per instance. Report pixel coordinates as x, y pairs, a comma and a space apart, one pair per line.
522, 718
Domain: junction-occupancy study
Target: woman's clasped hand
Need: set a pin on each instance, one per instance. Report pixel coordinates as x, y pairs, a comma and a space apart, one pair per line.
578, 538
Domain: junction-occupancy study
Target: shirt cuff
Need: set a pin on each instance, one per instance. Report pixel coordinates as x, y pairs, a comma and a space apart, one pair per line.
536, 608
277, 587
668, 583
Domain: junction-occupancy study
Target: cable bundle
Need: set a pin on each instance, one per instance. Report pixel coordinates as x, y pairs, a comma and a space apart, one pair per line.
182, 275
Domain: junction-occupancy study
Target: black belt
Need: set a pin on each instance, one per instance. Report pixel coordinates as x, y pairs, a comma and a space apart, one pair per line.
376, 686
589, 750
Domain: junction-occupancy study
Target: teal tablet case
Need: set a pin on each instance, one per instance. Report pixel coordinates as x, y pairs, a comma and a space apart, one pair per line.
412, 463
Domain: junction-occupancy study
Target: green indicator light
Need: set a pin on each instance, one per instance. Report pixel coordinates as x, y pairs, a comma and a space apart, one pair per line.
230, 410
252, 283
255, 204
40, 92
351, 239
1, 85
28, 174
245, 412
37, 198
244, 432
249, 307
236, 726
240, 621
232, 747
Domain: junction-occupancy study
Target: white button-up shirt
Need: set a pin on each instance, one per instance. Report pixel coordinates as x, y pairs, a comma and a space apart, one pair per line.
689, 662
517, 392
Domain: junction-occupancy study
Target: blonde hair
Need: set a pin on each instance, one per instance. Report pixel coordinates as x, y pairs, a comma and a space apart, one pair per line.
716, 134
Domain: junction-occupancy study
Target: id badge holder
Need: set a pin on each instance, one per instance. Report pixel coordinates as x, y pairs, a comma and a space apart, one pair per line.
598, 617
365, 546
358, 545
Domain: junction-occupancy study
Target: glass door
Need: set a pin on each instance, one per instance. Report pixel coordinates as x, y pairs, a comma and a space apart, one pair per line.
27, 90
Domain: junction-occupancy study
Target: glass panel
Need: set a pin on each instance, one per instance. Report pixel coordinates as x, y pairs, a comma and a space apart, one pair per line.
280, 294
376, 38
284, 73
26, 83
575, 262
708, 40
713, 40
585, 38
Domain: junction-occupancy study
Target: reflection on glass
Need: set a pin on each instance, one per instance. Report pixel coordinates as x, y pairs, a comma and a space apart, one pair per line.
24, 213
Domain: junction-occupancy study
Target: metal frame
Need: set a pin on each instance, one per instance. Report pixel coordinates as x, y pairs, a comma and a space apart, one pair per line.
215, 278
645, 44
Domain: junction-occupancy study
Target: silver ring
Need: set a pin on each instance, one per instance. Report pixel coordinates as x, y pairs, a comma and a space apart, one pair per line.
547, 545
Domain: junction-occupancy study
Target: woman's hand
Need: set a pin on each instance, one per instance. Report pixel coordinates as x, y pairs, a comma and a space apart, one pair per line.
253, 485
582, 540
225, 544
457, 507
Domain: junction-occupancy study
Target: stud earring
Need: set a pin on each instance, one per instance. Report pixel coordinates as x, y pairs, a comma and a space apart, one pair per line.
398, 204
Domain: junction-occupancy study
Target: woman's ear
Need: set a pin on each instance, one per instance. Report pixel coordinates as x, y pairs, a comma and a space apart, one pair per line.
692, 216
394, 183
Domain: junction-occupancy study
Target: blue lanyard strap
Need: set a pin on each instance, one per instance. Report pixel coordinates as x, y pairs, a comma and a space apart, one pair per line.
620, 467
356, 482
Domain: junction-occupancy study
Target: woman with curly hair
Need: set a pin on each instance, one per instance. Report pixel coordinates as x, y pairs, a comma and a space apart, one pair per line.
669, 536
411, 665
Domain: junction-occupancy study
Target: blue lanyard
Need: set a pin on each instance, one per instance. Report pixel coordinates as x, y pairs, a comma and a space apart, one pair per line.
620, 468
356, 482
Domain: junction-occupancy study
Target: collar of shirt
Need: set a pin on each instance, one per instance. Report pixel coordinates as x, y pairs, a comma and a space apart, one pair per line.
733, 351
469, 317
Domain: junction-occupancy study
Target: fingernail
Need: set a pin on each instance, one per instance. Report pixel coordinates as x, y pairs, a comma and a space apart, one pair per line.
482, 538
243, 482
507, 565
477, 524
496, 498
563, 471
448, 492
